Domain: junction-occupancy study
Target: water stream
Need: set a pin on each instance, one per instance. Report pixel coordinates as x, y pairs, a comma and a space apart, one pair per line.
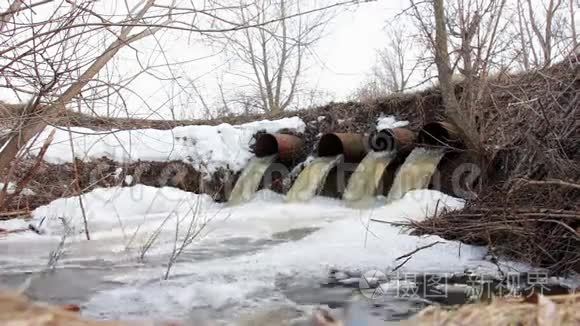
364, 182
416, 172
308, 183
266, 262
250, 178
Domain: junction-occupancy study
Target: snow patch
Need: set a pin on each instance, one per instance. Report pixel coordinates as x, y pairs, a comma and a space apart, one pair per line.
11, 188
13, 224
120, 208
389, 122
128, 180
207, 148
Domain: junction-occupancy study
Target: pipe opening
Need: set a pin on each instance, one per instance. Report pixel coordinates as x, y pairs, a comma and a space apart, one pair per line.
288, 147
382, 140
439, 134
351, 145
330, 145
395, 139
266, 145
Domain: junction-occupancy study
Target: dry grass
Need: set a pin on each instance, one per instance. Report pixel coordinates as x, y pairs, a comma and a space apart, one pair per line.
535, 224
17, 310
548, 311
529, 204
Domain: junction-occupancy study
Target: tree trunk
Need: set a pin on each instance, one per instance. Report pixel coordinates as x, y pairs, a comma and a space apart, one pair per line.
452, 107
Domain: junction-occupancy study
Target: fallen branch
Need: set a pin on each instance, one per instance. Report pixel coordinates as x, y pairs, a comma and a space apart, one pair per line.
551, 182
401, 264
409, 255
417, 250
390, 223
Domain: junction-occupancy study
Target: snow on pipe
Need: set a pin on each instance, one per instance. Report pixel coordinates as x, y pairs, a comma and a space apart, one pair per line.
440, 133
391, 139
351, 145
288, 147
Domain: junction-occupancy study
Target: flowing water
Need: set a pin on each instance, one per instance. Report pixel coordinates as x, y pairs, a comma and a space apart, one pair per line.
267, 259
363, 184
266, 262
308, 183
416, 172
250, 178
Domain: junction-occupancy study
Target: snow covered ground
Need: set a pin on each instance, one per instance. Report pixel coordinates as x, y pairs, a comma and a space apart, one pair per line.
237, 260
207, 148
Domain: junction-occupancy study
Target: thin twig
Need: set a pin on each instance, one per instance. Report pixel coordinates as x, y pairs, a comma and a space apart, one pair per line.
551, 182
417, 250
401, 264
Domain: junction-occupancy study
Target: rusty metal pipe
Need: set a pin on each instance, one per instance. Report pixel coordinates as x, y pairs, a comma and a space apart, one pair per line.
288, 147
394, 139
351, 145
441, 134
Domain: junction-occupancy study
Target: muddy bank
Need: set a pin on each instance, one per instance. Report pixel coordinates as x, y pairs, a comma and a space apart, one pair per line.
53, 181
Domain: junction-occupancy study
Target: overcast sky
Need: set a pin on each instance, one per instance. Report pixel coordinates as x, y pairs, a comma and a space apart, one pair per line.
341, 61
349, 51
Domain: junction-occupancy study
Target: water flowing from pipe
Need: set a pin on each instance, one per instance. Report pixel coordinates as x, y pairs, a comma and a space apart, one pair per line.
311, 179
364, 182
250, 178
416, 172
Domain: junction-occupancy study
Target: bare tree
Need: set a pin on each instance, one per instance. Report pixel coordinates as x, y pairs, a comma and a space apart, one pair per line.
274, 56
432, 21
546, 32
477, 38
572, 11
45, 54
524, 33
443, 66
491, 35
545, 37
395, 67
395, 64
53, 59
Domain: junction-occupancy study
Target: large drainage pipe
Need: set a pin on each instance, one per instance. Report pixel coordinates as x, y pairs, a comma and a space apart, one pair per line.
288, 147
395, 139
441, 134
351, 145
